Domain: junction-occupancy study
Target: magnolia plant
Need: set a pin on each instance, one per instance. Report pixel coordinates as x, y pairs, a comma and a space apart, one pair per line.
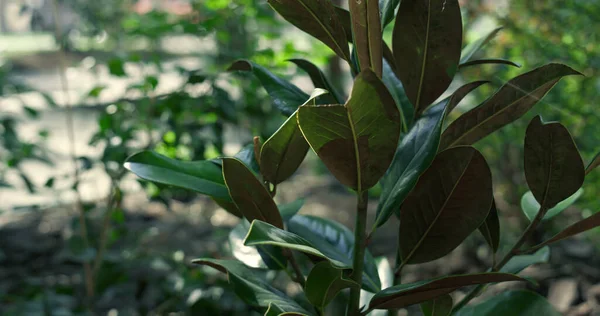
391, 130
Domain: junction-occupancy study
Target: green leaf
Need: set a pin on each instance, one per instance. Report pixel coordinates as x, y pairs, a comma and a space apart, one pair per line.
488, 61
593, 164
251, 286
288, 211
388, 10
514, 303
386, 275
201, 176
286, 96
511, 101
415, 154
250, 196
490, 229
318, 79
116, 67
451, 200
553, 167
339, 241
356, 141
439, 306
324, 282
426, 42
284, 151
247, 156
517, 263
255, 257
274, 310
530, 206
366, 27
396, 89
577, 228
317, 18
470, 50
399, 296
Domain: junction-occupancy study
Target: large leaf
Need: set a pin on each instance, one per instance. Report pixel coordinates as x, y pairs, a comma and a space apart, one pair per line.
250, 196
339, 239
514, 303
251, 286
451, 200
517, 263
396, 89
317, 18
324, 282
412, 293
255, 257
593, 164
530, 206
511, 101
286, 96
366, 27
356, 141
318, 78
490, 229
388, 10
289, 210
426, 42
473, 47
284, 151
201, 176
577, 228
489, 61
553, 167
439, 306
414, 154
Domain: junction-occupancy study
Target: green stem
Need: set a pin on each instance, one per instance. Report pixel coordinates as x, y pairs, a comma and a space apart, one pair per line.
359, 252
299, 276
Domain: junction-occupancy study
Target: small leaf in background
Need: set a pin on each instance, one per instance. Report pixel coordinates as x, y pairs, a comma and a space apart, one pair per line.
450, 200
396, 89
530, 206
49, 183
284, 151
251, 286
319, 80
473, 47
355, 141
31, 112
488, 61
250, 196
514, 303
366, 27
517, 263
388, 11
509, 103
317, 18
286, 96
324, 282
439, 306
490, 229
116, 67
426, 42
288, 210
577, 228
593, 164
95, 91
399, 296
553, 167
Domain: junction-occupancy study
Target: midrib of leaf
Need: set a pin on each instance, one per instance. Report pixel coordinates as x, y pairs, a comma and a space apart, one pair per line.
405, 260
417, 106
285, 150
369, 37
496, 114
356, 152
543, 204
324, 28
263, 218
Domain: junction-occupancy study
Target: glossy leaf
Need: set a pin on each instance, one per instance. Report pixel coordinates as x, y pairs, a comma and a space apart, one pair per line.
470, 50
414, 154
490, 229
386, 275
324, 282
399, 296
396, 89
275, 310
553, 167
488, 61
339, 240
247, 156
426, 42
511, 101
439, 306
388, 10
201, 176
317, 18
286, 96
577, 228
366, 27
251, 286
356, 141
318, 79
514, 303
518, 263
289, 210
451, 200
530, 206
284, 151
593, 164
255, 257
250, 196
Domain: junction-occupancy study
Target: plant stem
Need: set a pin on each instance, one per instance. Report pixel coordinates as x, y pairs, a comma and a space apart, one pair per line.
114, 203
509, 255
299, 276
359, 252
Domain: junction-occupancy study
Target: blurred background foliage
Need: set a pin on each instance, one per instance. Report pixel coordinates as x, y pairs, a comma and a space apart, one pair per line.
150, 74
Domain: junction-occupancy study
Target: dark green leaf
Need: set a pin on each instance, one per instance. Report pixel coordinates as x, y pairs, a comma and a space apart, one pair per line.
247, 156
530, 206
426, 42
439, 306
318, 79
488, 62
317, 18
412, 293
288, 211
251, 286
414, 154
475, 46
116, 67
356, 141
513, 100
255, 257
250, 196
387, 279
451, 199
31, 112
324, 282
593, 164
388, 10
517, 263
366, 27
275, 310
286, 96
490, 229
514, 303
396, 89
577, 228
